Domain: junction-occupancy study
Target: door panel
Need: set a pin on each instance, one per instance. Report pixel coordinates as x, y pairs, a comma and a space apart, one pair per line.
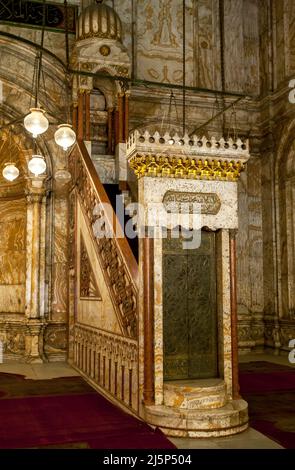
189, 309
175, 321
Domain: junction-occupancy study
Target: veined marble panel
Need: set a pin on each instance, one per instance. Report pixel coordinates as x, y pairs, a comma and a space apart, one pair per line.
12, 255
152, 190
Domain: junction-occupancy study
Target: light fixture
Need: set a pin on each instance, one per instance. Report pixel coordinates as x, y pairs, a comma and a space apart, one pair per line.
37, 165
36, 122
10, 171
65, 137
62, 176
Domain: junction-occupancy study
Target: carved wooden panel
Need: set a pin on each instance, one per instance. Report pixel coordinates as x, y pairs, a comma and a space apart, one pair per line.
113, 261
88, 285
189, 309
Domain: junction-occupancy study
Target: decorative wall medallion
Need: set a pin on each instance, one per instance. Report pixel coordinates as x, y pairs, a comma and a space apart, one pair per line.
210, 202
88, 286
105, 50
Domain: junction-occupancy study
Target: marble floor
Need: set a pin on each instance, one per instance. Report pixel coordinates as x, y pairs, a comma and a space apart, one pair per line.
249, 439
50, 370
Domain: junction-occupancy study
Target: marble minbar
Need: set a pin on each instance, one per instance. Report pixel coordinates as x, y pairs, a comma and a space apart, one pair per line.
193, 393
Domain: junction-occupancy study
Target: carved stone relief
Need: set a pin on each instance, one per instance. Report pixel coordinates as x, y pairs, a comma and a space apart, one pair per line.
209, 202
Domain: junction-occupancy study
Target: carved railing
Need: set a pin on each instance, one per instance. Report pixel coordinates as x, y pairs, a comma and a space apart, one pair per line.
110, 361
116, 259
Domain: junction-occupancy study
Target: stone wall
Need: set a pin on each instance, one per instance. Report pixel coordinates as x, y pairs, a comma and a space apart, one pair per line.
258, 60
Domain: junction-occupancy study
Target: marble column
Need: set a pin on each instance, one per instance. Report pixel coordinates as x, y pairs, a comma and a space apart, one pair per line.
87, 115
234, 316
110, 131
35, 266
148, 321
80, 123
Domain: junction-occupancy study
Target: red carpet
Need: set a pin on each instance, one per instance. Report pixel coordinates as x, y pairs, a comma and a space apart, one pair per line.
81, 420
269, 390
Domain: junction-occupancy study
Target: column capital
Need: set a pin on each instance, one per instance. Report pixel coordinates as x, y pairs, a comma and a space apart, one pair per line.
35, 190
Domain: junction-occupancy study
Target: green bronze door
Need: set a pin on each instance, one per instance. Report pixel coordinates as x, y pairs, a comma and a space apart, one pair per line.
189, 309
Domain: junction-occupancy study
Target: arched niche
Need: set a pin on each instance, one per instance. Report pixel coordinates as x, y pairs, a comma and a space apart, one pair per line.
13, 222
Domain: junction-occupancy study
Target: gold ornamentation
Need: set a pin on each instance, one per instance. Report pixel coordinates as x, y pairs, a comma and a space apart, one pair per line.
183, 167
105, 50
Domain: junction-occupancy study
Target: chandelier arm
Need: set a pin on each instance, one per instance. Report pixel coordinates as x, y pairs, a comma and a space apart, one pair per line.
40, 55
197, 129
67, 33
183, 67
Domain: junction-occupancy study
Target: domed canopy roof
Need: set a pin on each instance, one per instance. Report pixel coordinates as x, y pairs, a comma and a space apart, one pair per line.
99, 20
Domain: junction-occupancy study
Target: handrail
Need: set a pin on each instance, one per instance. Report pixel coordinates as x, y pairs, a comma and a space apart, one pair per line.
114, 253
123, 244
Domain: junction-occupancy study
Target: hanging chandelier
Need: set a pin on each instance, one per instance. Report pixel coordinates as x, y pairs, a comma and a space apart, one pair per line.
36, 122
10, 171
37, 165
65, 136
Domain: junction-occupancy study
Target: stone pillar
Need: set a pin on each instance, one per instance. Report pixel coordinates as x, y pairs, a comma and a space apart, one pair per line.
80, 116
120, 118
35, 265
87, 115
75, 117
126, 113
110, 131
148, 320
234, 316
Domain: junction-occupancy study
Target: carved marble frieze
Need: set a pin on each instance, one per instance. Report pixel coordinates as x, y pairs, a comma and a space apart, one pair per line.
174, 202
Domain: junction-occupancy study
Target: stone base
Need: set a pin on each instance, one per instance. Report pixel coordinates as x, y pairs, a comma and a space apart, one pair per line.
224, 421
195, 394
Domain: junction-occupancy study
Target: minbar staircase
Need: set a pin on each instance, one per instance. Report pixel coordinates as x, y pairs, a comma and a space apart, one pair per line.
103, 332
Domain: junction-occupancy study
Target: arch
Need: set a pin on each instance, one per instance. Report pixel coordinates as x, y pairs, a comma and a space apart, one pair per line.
284, 174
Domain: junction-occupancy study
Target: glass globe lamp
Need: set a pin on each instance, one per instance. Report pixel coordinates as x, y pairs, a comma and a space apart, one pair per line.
65, 137
10, 171
37, 165
36, 122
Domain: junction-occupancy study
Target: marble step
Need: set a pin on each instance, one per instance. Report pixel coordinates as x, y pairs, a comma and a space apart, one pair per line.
229, 419
195, 394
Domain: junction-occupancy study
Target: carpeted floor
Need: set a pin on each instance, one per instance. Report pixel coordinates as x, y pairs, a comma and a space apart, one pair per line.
269, 390
67, 413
